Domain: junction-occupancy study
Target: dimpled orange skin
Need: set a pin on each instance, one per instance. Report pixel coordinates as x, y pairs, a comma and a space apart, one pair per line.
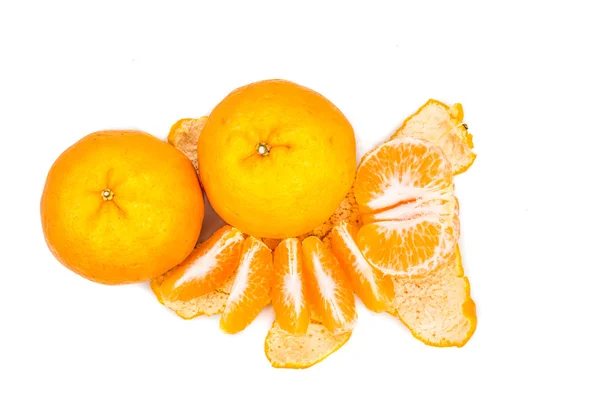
306, 167
121, 207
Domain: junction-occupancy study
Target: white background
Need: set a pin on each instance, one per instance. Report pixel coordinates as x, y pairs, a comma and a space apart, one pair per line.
527, 75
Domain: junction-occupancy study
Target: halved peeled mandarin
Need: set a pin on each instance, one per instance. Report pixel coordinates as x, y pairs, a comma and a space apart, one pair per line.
206, 268
288, 296
251, 286
406, 196
375, 289
329, 290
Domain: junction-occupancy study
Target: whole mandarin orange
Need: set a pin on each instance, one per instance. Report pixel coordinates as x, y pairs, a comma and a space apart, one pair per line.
276, 158
121, 207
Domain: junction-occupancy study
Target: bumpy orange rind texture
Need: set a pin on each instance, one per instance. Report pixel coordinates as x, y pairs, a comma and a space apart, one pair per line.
184, 136
437, 309
443, 125
286, 350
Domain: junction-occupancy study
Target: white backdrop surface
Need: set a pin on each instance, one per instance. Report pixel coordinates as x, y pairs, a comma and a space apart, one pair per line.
527, 74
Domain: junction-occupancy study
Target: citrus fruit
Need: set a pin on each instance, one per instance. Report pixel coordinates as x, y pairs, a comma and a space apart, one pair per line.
404, 189
251, 287
437, 309
375, 290
206, 268
121, 207
286, 350
289, 288
184, 136
329, 290
442, 125
276, 159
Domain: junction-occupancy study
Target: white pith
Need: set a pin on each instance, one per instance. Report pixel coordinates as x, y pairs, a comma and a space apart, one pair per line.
431, 203
292, 283
208, 261
360, 264
400, 186
242, 277
328, 289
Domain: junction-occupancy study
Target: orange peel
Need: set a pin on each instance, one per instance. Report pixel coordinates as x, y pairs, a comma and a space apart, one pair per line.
212, 303
286, 350
443, 125
438, 308
184, 136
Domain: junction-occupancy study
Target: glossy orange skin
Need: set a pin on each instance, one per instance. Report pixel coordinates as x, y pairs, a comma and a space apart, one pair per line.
308, 170
151, 221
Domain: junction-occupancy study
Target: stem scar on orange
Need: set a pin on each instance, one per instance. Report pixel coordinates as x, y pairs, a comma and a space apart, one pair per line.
276, 159
121, 207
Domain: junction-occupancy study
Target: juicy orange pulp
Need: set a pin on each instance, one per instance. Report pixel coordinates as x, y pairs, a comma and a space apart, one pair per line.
329, 290
289, 297
206, 268
251, 287
405, 190
375, 290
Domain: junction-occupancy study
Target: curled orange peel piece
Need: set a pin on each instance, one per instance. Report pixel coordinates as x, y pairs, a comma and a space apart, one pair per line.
286, 350
184, 136
443, 125
438, 308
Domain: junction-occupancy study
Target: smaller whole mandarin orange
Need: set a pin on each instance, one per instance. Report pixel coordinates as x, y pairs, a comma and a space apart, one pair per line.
121, 207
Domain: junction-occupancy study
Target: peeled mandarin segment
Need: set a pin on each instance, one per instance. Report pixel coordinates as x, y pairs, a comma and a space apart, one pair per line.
184, 136
437, 309
443, 125
228, 284
250, 290
374, 289
208, 304
206, 268
399, 171
286, 350
329, 290
289, 288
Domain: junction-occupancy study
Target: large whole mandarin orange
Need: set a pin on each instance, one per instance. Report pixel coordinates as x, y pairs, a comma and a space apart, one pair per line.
121, 207
276, 159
